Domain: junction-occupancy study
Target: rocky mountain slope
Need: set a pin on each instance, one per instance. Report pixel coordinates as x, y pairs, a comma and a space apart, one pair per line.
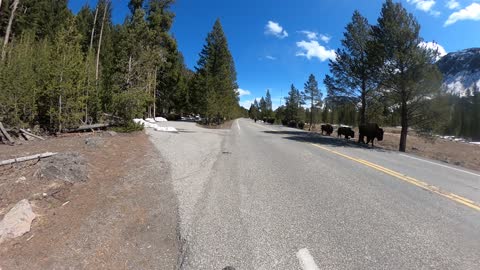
461, 71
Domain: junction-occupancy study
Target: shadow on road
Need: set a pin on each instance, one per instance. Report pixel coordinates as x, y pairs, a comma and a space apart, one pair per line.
309, 137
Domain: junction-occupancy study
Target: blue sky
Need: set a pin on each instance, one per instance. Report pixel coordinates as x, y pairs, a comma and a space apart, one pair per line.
277, 43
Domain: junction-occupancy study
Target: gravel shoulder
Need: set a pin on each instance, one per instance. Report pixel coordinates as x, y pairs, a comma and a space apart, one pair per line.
192, 154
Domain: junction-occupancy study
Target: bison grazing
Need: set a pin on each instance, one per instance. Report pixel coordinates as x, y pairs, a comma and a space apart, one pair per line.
371, 131
327, 128
345, 131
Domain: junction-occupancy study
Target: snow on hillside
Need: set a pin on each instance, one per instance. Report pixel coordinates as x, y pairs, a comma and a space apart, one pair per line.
461, 83
461, 71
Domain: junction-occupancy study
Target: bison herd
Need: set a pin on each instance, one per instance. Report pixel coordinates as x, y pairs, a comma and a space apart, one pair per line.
372, 131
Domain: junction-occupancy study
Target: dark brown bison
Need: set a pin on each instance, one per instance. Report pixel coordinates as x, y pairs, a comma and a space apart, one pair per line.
345, 131
371, 131
327, 128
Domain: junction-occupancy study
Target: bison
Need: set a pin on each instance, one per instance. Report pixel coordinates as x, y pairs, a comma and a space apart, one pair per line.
345, 131
327, 128
371, 131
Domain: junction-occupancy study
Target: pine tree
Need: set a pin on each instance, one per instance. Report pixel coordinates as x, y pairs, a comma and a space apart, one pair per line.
63, 94
313, 95
351, 69
268, 100
216, 77
406, 71
293, 107
44, 17
171, 84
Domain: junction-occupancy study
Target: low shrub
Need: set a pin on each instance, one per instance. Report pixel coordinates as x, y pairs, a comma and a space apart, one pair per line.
128, 127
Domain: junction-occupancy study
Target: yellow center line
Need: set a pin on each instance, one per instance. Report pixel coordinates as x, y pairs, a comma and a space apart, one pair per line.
408, 179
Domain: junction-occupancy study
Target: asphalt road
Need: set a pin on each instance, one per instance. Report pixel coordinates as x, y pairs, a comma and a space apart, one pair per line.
269, 197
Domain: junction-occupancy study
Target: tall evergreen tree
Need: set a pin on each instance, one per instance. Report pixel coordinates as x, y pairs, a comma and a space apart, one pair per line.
293, 106
216, 76
268, 100
313, 95
352, 69
407, 72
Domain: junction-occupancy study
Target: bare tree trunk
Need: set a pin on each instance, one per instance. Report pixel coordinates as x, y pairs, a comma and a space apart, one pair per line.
404, 122
155, 93
149, 83
363, 106
88, 62
9, 28
93, 29
100, 41
60, 113
60, 96
129, 70
311, 115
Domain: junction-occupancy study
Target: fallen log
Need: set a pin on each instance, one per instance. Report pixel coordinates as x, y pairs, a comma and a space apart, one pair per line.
88, 127
31, 134
5, 134
27, 158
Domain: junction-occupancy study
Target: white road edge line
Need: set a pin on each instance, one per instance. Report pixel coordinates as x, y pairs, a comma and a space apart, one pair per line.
449, 167
238, 125
306, 260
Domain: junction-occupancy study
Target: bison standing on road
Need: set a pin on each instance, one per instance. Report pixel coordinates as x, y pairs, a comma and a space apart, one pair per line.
327, 128
371, 131
345, 131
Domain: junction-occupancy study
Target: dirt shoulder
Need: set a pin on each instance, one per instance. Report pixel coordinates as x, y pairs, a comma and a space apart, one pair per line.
123, 217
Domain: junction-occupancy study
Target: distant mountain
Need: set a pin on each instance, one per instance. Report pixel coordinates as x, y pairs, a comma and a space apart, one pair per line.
461, 71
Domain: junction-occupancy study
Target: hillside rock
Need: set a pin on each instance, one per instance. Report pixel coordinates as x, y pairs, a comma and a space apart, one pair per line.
17, 221
461, 71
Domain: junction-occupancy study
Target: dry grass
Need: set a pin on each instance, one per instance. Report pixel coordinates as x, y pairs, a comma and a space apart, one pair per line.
457, 153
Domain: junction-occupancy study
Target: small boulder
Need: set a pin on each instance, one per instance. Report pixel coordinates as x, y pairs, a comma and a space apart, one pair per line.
70, 167
112, 133
94, 142
17, 221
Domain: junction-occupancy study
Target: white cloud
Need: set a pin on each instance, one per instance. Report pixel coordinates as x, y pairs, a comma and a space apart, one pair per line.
325, 38
452, 4
315, 36
247, 103
425, 5
312, 49
269, 57
310, 35
241, 92
434, 46
472, 12
274, 29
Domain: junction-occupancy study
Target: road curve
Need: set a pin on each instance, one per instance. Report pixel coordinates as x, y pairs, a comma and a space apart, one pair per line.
269, 197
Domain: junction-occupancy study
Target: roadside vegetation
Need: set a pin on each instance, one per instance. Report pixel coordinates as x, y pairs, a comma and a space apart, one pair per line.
60, 70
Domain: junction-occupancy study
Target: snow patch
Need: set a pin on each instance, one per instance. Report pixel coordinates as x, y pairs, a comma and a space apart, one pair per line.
462, 82
150, 123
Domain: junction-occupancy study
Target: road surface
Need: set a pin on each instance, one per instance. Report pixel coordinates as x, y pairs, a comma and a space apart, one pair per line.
268, 197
